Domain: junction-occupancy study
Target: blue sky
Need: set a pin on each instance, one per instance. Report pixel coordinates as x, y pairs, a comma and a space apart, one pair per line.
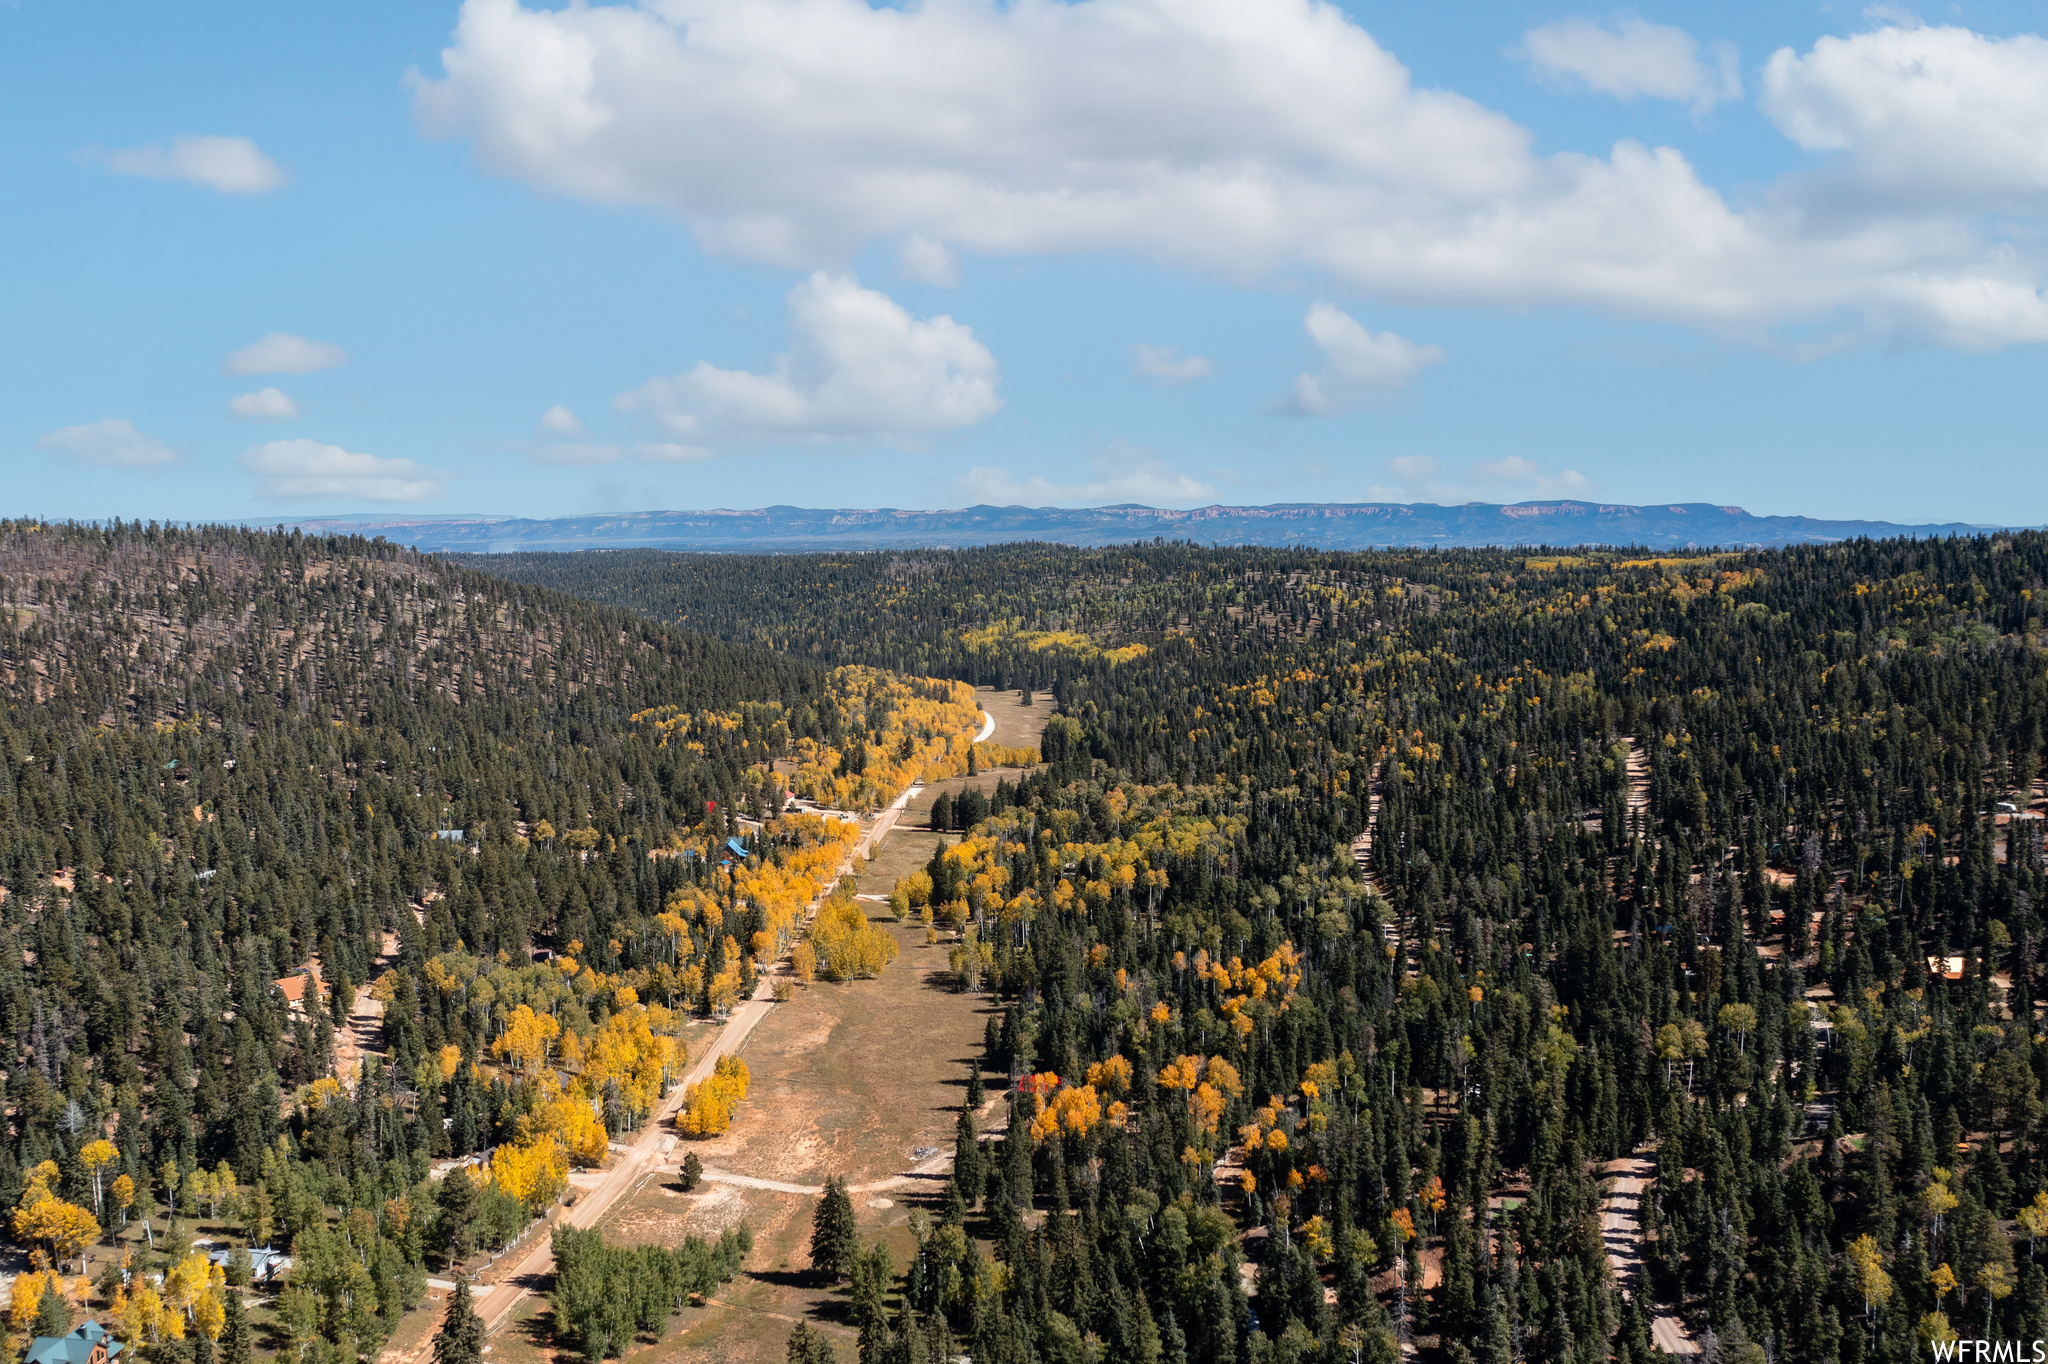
283, 260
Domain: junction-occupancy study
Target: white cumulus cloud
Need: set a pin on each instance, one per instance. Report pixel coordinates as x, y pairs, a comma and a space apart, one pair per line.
560, 421
1238, 137
264, 405
304, 470
232, 165
1630, 58
1420, 478
1357, 364
1124, 473
110, 443
1168, 365
1927, 116
858, 365
283, 353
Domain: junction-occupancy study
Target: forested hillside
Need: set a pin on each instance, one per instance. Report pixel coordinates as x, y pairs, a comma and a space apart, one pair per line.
1373, 904
1375, 924
236, 761
1007, 616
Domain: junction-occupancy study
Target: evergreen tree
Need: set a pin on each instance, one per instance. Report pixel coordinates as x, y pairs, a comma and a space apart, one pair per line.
234, 1334
835, 1235
461, 1338
53, 1314
808, 1346
967, 1170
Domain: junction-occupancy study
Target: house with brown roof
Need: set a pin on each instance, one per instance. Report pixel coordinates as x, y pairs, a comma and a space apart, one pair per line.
303, 980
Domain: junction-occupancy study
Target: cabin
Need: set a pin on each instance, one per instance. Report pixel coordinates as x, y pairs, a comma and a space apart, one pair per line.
302, 981
448, 835
264, 1263
89, 1344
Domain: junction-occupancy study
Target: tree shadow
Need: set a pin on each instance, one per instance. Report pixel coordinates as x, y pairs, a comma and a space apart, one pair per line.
836, 1307
539, 1330
271, 1336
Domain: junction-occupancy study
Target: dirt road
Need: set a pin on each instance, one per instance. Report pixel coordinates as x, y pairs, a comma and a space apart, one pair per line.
1621, 1228
930, 1168
364, 1035
497, 1306
1361, 846
1638, 775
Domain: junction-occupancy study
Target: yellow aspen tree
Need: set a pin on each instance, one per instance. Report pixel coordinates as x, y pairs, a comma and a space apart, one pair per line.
95, 1156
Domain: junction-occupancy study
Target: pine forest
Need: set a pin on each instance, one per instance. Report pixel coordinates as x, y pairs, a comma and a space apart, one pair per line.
1471, 957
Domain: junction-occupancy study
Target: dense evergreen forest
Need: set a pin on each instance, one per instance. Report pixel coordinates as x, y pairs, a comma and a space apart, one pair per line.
1725, 862
228, 758
1368, 913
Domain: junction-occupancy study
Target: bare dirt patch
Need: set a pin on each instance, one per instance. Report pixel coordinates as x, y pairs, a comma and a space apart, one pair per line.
846, 1080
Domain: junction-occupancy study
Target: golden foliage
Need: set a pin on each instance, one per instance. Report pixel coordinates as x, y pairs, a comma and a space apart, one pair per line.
923, 728
64, 1229
848, 946
708, 1107
27, 1295
533, 1172
1113, 1075
527, 1038
1074, 1110
989, 753
315, 1097
190, 1281
1209, 1084
782, 892
145, 1319
633, 1050
1040, 641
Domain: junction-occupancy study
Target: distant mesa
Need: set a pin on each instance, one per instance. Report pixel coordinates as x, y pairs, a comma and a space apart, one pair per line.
1308, 525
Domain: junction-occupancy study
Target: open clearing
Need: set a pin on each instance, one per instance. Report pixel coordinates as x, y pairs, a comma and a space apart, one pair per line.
1017, 726
847, 1079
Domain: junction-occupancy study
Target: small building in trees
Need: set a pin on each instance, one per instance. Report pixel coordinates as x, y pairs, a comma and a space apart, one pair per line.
302, 982
265, 1264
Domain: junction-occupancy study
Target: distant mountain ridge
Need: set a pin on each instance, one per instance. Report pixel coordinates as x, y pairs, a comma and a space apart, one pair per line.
1319, 525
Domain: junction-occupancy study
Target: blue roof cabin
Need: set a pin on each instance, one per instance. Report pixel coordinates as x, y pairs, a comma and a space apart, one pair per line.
89, 1344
